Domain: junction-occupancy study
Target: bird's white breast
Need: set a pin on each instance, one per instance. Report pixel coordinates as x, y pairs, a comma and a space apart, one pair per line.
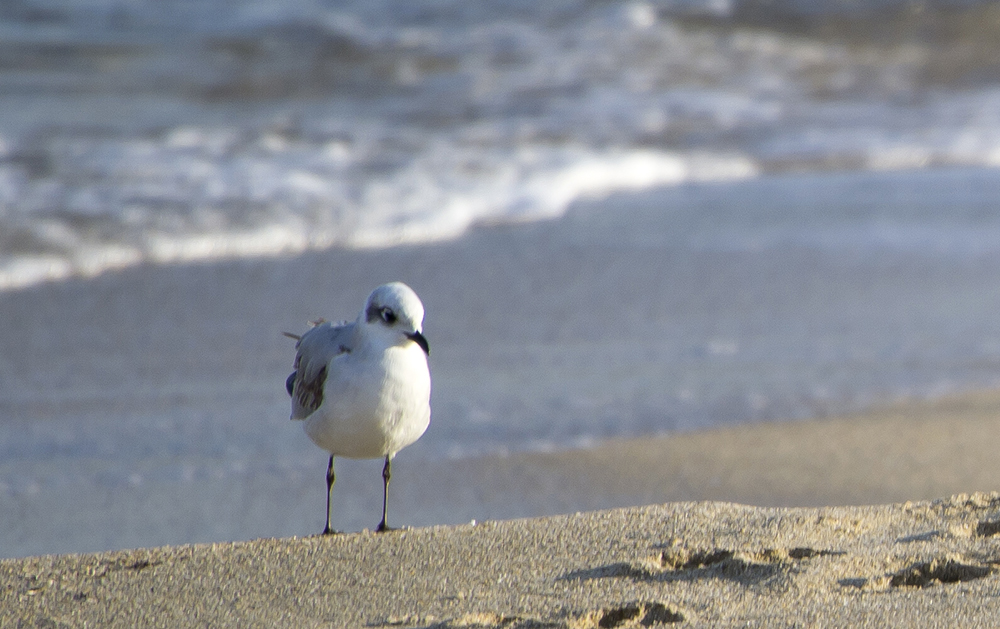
374, 404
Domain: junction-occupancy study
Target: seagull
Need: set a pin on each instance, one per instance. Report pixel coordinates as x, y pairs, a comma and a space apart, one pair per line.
363, 388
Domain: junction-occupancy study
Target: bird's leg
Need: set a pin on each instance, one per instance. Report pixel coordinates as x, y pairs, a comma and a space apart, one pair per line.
330, 479
386, 475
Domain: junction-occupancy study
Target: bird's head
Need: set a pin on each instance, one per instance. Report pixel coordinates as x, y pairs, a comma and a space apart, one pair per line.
395, 309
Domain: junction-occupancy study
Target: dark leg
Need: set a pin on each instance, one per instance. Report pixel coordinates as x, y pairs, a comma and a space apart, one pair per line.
386, 475
330, 479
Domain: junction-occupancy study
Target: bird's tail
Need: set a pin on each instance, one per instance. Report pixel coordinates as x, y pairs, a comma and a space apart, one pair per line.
312, 324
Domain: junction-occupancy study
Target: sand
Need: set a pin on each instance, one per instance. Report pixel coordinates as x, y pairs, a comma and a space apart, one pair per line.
705, 563
710, 563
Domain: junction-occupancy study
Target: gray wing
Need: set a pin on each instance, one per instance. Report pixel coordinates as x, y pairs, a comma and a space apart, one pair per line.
315, 350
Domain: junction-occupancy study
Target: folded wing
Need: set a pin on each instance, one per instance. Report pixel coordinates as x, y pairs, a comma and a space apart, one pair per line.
315, 350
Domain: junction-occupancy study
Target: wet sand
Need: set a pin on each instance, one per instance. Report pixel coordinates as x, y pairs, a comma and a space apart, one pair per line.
913, 450
712, 563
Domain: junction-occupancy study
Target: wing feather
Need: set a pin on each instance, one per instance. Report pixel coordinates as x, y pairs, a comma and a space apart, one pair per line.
315, 349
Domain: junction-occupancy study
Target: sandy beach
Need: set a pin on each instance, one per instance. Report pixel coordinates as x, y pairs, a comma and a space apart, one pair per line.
714, 562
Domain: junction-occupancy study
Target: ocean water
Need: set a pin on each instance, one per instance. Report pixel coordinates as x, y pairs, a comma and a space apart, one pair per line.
179, 130
624, 218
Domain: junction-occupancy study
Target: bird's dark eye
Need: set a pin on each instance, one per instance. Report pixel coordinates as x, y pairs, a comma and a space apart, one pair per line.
387, 315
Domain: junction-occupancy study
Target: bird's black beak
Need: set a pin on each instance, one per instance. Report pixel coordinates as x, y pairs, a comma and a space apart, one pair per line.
419, 339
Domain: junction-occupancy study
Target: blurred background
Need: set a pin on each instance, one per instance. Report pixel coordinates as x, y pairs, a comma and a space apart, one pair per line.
625, 219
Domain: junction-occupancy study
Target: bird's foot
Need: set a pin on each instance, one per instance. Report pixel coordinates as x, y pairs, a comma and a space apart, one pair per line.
384, 528
328, 531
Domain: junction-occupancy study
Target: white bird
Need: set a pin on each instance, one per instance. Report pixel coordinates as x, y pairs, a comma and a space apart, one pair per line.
364, 388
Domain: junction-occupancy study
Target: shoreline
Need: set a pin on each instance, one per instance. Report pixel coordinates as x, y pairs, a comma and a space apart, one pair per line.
910, 450
149, 403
